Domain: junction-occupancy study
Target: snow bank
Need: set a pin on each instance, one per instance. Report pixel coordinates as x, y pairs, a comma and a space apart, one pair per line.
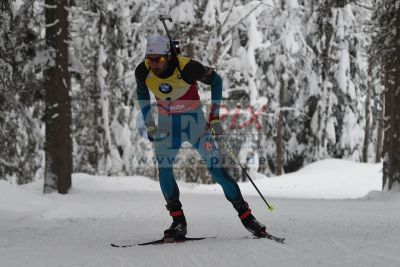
17, 203
326, 179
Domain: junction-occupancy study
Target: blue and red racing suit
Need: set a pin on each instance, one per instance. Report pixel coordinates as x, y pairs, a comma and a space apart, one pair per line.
181, 119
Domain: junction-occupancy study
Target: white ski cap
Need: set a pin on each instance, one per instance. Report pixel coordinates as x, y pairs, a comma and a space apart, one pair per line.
157, 44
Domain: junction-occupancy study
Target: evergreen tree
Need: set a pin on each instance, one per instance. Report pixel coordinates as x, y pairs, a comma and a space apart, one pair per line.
6, 72
337, 111
22, 102
286, 80
307, 61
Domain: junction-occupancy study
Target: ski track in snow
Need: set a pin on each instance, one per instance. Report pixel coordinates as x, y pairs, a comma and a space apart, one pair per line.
77, 229
39, 230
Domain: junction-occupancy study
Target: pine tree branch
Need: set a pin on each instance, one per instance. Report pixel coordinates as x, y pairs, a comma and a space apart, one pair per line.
8, 164
243, 18
23, 8
363, 6
383, 3
229, 13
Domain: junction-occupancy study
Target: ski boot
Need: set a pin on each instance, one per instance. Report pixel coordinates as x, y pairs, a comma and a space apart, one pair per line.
178, 228
249, 221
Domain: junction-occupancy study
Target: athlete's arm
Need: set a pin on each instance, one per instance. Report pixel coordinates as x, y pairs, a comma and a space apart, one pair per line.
195, 71
142, 92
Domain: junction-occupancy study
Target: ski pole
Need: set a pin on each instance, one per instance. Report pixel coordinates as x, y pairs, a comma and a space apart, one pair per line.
229, 150
163, 18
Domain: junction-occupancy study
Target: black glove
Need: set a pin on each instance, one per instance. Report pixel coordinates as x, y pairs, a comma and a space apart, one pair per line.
215, 127
151, 130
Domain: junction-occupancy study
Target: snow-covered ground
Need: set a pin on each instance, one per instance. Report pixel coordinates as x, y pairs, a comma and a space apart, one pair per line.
326, 211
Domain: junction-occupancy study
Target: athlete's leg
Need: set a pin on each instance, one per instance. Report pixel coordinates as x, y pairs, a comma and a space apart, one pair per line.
210, 152
166, 149
211, 155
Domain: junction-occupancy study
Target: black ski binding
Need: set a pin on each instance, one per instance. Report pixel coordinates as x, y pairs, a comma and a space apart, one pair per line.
274, 238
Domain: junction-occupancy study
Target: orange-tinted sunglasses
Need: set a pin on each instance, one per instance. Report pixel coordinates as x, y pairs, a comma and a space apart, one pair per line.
160, 59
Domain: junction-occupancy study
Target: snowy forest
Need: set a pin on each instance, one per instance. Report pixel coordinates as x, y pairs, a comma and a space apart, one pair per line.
303, 80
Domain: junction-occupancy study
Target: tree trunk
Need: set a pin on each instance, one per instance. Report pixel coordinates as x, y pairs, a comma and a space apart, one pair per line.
379, 137
367, 115
279, 135
94, 140
391, 165
58, 103
387, 132
395, 177
101, 75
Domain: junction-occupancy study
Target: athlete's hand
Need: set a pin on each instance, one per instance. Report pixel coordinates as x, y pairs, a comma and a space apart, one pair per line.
214, 126
151, 130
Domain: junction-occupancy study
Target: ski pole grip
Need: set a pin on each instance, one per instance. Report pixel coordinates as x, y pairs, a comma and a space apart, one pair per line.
165, 17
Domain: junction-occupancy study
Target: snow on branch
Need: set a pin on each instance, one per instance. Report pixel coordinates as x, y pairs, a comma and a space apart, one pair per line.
243, 18
8, 164
52, 24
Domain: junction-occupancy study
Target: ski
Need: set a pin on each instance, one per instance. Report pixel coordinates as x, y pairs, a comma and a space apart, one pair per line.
160, 242
171, 241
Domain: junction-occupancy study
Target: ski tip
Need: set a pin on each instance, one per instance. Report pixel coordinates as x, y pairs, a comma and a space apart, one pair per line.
280, 240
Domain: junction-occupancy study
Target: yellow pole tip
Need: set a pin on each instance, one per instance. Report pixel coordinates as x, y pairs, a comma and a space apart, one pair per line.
270, 208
